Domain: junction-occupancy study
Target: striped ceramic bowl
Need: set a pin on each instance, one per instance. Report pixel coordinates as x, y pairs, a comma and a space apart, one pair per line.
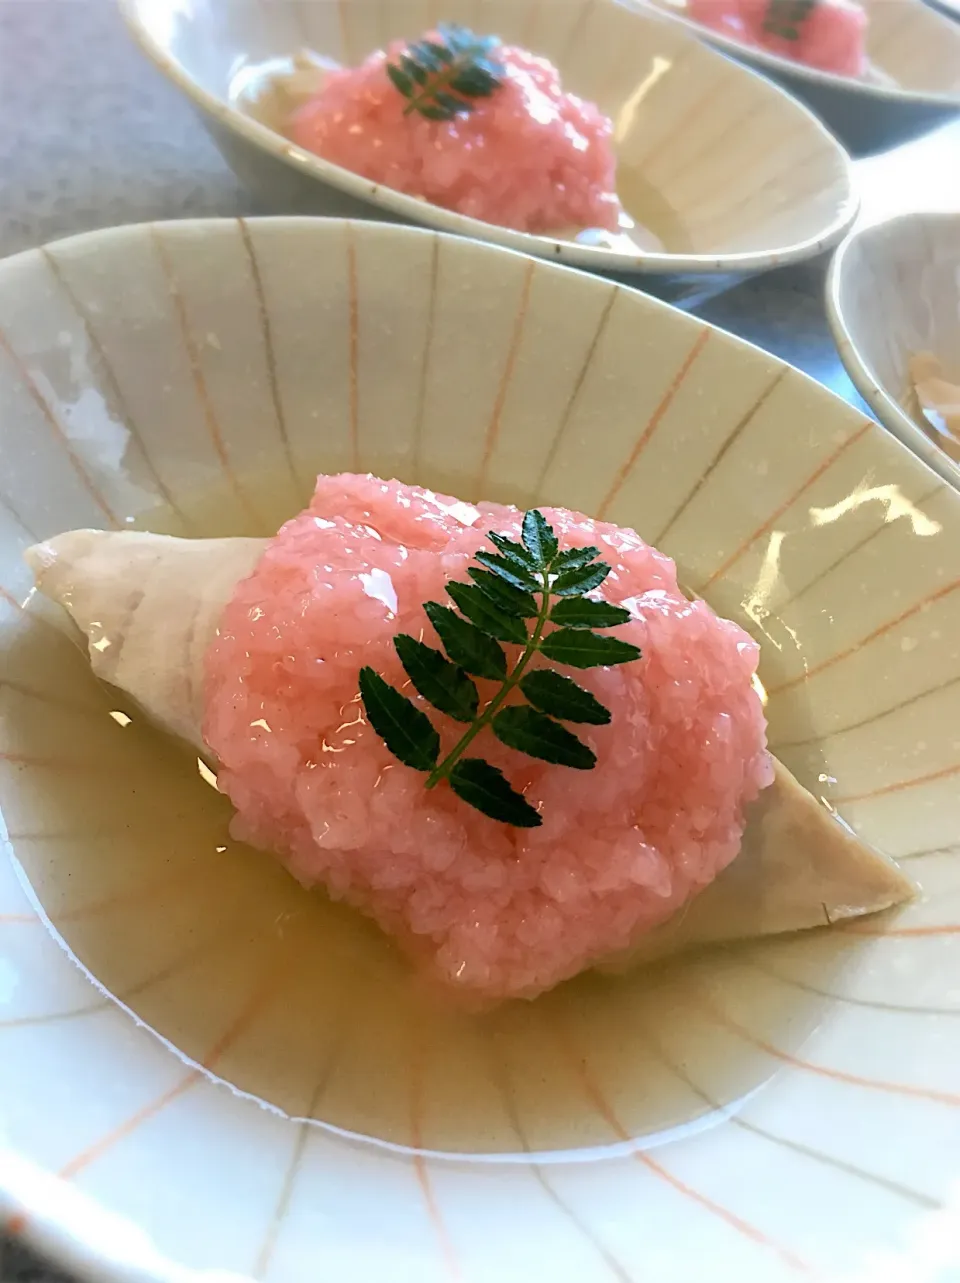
729, 173
207, 1072
893, 293
915, 56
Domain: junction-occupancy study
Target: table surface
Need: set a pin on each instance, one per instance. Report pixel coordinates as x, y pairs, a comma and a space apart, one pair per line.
92, 137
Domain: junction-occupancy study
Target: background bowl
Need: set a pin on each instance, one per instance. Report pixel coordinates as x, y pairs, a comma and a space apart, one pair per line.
750, 183
892, 292
211, 1115
908, 41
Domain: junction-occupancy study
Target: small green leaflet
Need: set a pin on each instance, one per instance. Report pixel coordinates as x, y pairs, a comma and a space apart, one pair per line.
481, 611
488, 789
502, 593
582, 649
574, 558
531, 596
512, 551
580, 579
785, 17
406, 731
442, 684
584, 612
441, 77
538, 538
510, 571
540, 736
473, 650
561, 697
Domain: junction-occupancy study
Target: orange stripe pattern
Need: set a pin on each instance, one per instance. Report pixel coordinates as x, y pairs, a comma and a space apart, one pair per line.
877, 632
493, 428
653, 422
603, 1107
825, 1071
772, 521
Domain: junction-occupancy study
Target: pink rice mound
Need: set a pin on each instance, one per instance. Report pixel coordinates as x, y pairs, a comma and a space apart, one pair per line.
829, 35
488, 910
529, 156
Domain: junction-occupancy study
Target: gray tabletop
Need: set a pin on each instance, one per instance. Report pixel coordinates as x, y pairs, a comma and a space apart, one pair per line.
92, 136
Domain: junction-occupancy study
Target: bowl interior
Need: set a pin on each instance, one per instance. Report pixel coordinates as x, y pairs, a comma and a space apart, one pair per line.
893, 294
713, 161
915, 47
208, 1066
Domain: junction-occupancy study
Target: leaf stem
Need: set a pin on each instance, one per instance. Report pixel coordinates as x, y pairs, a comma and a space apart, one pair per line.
443, 769
442, 82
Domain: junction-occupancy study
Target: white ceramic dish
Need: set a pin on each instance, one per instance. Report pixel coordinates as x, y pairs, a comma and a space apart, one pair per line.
893, 291
751, 183
916, 46
747, 1115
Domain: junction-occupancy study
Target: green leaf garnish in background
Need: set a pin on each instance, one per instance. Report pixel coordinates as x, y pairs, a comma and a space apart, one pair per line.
439, 77
533, 580
784, 18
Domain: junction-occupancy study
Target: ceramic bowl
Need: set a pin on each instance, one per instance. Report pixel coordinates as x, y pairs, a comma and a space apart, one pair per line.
753, 182
950, 7
893, 292
908, 41
208, 1072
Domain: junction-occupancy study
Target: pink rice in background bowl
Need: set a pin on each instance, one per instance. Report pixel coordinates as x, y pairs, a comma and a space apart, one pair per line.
829, 35
490, 911
528, 157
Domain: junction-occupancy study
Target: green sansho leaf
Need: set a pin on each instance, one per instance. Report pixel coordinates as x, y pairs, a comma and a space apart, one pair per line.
510, 572
515, 601
573, 558
466, 645
538, 538
513, 551
582, 649
583, 612
442, 76
401, 80
490, 619
406, 731
425, 53
448, 103
580, 579
442, 53
442, 684
478, 81
517, 595
413, 69
561, 697
488, 790
539, 736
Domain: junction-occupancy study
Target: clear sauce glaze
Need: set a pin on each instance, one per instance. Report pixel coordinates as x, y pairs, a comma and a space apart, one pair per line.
126, 846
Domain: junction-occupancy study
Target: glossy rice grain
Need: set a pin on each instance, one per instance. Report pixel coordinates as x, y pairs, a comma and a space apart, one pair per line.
491, 911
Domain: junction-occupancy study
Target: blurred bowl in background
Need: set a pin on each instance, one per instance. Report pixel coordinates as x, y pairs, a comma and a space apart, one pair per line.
893, 293
751, 183
917, 49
